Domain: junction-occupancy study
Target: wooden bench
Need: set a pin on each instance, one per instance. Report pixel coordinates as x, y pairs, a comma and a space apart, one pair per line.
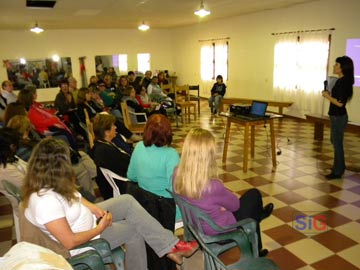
321, 120
271, 103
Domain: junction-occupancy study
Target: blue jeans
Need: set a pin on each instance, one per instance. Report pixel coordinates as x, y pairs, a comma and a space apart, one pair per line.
216, 100
337, 128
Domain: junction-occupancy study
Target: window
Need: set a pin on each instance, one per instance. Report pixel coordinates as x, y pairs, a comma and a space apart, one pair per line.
123, 62
143, 62
300, 69
214, 60
300, 63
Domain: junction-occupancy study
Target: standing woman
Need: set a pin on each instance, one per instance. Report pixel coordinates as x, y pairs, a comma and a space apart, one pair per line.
196, 180
340, 94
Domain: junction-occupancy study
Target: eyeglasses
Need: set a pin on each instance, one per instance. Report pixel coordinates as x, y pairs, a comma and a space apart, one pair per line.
102, 85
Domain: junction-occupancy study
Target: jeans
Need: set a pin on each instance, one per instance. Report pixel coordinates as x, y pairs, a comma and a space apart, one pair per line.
337, 127
216, 100
133, 226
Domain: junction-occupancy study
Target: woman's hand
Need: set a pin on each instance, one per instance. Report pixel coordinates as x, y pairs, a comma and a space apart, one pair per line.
326, 94
105, 221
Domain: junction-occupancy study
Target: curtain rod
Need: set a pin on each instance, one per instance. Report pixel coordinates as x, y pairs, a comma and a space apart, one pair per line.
302, 31
214, 39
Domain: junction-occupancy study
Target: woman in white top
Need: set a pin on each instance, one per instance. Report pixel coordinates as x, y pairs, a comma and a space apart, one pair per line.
53, 204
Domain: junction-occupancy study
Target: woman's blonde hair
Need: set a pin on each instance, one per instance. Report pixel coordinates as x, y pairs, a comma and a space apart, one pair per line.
21, 123
50, 168
197, 165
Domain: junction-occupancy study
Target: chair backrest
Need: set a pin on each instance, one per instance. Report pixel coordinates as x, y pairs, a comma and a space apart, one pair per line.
126, 114
32, 234
13, 194
89, 127
182, 93
111, 177
215, 245
166, 87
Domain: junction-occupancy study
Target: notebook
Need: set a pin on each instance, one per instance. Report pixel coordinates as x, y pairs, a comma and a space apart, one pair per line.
257, 111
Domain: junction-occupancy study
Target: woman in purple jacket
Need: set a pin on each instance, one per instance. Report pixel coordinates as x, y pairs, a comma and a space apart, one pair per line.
196, 179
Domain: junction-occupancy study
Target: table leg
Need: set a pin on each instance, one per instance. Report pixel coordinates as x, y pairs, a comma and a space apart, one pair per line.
226, 141
273, 150
246, 148
252, 141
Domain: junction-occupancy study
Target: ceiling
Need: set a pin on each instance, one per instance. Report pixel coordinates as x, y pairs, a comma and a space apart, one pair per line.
159, 14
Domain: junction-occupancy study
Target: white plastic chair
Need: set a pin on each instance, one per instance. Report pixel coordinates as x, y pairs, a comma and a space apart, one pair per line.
111, 177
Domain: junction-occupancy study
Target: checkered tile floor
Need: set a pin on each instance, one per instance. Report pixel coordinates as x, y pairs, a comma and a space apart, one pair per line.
297, 188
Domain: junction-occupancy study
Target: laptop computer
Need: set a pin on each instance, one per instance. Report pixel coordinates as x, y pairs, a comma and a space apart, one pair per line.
257, 111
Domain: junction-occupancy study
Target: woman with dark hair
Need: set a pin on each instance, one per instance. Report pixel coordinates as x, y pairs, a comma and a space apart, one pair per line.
340, 94
53, 204
217, 93
107, 154
12, 168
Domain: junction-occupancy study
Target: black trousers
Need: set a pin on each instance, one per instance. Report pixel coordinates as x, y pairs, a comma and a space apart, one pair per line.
251, 206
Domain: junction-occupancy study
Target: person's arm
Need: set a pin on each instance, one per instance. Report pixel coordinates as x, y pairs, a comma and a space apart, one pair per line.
326, 94
61, 230
223, 90
213, 89
132, 169
224, 197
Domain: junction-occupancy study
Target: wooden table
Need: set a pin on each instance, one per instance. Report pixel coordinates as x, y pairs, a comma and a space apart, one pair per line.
249, 126
271, 103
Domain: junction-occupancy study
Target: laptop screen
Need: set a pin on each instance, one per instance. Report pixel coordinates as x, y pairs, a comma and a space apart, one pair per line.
258, 108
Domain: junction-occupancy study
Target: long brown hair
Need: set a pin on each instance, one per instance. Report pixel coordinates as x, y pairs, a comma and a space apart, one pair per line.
50, 168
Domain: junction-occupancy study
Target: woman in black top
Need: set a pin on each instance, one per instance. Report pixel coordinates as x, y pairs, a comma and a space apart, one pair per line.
340, 94
217, 93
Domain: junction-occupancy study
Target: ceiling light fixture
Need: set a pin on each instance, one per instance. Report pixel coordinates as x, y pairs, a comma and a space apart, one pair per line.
202, 12
143, 27
36, 29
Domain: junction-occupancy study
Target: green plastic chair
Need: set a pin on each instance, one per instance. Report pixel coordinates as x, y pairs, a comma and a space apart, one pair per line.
101, 257
242, 234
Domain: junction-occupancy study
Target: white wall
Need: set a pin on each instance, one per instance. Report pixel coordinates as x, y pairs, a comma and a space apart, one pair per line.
251, 46
250, 51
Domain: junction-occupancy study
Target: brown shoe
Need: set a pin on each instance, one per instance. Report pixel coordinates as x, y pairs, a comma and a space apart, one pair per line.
182, 249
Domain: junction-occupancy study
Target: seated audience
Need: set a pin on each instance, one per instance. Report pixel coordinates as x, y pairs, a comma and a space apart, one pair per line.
83, 166
151, 166
144, 99
107, 154
64, 101
3, 105
85, 102
146, 80
197, 181
12, 168
217, 93
153, 160
15, 108
7, 91
45, 123
52, 203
